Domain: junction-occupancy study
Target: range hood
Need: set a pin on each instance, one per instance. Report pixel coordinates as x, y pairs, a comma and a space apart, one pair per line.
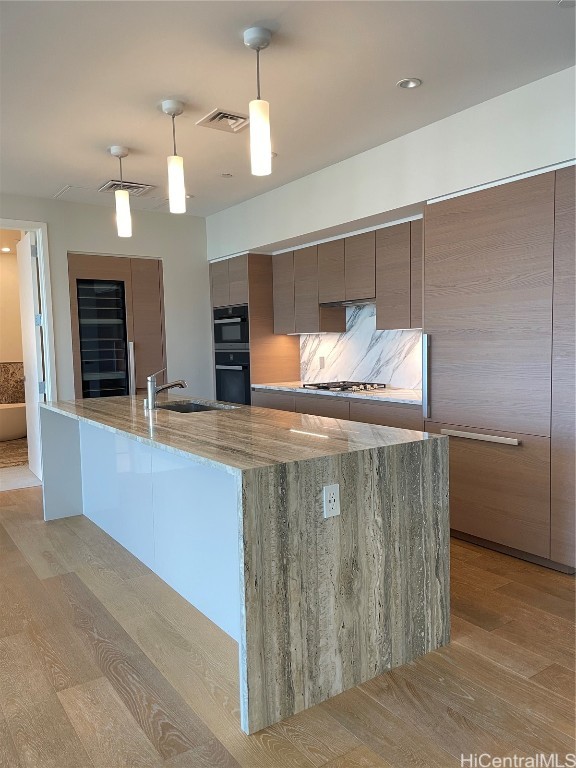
351, 303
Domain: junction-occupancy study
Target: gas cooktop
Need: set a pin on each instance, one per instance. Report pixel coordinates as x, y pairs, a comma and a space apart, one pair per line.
345, 386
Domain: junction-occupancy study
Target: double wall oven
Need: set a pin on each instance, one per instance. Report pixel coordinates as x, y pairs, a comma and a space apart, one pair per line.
232, 354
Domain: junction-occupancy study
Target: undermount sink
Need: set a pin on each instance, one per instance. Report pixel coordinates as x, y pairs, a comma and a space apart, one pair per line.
189, 407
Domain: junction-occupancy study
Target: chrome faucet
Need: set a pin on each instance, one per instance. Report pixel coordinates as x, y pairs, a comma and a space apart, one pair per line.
153, 389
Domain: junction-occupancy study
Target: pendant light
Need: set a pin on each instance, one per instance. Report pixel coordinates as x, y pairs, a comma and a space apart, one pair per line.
123, 215
176, 187
258, 38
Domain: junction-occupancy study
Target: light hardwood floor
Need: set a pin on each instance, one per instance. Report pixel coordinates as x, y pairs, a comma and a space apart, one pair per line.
104, 666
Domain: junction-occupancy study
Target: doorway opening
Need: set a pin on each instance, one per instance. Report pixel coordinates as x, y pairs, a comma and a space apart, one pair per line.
26, 351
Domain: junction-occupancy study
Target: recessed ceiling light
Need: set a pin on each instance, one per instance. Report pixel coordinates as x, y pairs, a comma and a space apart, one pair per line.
409, 82
5, 250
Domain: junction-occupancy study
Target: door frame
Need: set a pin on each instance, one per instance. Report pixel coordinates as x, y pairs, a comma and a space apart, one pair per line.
40, 230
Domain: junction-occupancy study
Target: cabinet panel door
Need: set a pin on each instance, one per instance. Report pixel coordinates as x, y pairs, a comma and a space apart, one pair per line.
360, 265
563, 367
416, 269
488, 304
283, 292
500, 492
387, 414
393, 277
238, 279
148, 309
331, 281
220, 283
323, 405
306, 308
281, 401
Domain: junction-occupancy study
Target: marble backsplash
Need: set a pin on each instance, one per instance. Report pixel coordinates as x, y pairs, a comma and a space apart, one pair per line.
11, 383
363, 353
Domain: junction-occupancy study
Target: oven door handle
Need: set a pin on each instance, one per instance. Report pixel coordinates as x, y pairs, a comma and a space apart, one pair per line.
228, 320
231, 367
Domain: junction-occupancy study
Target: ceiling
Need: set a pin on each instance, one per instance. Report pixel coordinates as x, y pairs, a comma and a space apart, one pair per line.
76, 77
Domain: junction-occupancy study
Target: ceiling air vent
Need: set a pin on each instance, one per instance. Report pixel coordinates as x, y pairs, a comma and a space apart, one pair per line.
134, 187
231, 122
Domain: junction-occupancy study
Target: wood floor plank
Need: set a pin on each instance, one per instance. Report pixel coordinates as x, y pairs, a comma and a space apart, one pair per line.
519, 692
8, 754
10, 555
466, 572
547, 638
433, 720
537, 598
170, 725
362, 757
109, 733
482, 613
384, 733
451, 685
106, 549
64, 658
496, 648
41, 732
557, 679
33, 540
317, 735
23, 601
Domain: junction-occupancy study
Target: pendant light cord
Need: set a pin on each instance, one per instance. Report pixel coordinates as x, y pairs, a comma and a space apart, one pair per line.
121, 179
258, 73
174, 132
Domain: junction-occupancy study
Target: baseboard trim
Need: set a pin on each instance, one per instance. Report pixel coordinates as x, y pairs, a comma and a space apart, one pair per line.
513, 552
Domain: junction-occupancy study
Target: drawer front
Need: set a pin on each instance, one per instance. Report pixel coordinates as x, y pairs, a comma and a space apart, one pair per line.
500, 491
323, 405
387, 414
281, 401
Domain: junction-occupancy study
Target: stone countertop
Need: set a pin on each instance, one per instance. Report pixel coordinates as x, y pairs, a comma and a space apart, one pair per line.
388, 395
238, 438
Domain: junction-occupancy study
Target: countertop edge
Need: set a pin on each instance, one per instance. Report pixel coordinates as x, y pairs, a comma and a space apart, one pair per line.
382, 397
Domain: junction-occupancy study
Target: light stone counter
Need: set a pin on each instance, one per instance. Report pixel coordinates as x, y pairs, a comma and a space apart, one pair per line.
388, 395
227, 507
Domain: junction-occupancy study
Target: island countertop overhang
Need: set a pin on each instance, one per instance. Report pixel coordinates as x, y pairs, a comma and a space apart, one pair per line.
239, 438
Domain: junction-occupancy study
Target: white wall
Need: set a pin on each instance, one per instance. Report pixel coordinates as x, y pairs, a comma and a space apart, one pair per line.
10, 331
180, 241
525, 129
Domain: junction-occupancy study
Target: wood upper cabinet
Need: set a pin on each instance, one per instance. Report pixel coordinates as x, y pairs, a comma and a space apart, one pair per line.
219, 283
296, 300
416, 272
393, 277
283, 293
360, 266
331, 275
306, 305
563, 503
238, 279
500, 492
488, 306
229, 281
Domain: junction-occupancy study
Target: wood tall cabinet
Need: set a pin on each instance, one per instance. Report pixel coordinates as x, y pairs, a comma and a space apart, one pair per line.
489, 278
144, 309
563, 458
249, 279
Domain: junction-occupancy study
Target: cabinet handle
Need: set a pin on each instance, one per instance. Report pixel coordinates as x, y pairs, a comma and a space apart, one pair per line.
227, 320
231, 367
484, 438
131, 369
426, 344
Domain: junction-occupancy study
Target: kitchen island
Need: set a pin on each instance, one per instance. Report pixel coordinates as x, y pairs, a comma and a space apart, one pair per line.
227, 507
